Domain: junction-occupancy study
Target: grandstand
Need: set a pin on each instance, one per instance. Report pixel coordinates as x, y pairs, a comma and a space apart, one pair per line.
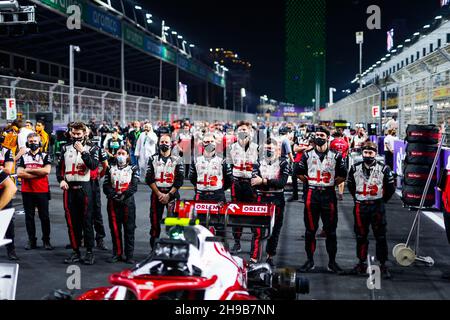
34, 68
412, 81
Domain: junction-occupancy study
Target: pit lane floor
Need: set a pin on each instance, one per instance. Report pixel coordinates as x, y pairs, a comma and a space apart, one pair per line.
42, 271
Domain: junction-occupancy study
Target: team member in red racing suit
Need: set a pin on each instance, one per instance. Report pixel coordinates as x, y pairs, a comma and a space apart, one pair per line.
444, 187
33, 168
6, 167
371, 183
270, 176
340, 145
322, 169
165, 175
242, 155
120, 185
73, 172
210, 174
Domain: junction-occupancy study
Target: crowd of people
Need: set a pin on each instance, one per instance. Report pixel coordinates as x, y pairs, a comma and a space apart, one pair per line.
254, 161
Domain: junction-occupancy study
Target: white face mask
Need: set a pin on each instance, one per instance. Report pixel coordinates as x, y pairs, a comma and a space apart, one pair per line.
121, 160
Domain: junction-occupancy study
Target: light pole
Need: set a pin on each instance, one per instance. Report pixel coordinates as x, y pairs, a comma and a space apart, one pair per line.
316, 113
191, 49
224, 70
360, 41
122, 80
223, 74
164, 28
243, 95
332, 91
72, 48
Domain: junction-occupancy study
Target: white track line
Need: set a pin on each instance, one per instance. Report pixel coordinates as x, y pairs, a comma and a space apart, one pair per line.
435, 217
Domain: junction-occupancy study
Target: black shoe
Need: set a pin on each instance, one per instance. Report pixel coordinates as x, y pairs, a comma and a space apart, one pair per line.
292, 199
130, 260
75, 257
236, 248
114, 259
385, 272
48, 246
101, 245
359, 269
89, 258
31, 245
307, 267
334, 268
152, 244
270, 262
12, 256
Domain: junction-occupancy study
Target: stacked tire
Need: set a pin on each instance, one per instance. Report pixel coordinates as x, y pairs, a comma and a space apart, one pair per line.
420, 154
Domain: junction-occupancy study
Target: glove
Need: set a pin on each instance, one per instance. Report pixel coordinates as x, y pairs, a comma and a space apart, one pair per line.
111, 196
116, 196
119, 197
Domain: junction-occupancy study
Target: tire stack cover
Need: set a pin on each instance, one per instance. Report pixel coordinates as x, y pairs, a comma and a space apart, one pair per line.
421, 154
411, 196
417, 175
425, 134
421, 151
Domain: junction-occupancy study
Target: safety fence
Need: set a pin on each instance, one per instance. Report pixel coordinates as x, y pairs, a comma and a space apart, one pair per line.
422, 99
37, 96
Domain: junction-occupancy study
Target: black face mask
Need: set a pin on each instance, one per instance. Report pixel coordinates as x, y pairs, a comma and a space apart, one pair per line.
269, 154
78, 140
164, 147
320, 142
243, 135
33, 146
369, 160
209, 147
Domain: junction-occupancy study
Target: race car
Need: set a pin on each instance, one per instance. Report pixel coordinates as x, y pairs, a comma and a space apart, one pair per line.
194, 264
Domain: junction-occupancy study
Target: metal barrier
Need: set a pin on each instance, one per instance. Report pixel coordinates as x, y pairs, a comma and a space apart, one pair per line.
37, 96
422, 99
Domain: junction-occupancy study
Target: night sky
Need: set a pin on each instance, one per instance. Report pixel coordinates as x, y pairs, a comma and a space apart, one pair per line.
255, 30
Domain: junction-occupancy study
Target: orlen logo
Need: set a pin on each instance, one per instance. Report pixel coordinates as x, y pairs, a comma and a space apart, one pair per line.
254, 209
204, 207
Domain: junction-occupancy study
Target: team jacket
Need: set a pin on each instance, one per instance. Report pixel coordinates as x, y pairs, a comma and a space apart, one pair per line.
369, 184
210, 174
39, 160
322, 169
121, 181
444, 185
276, 173
165, 172
5, 156
74, 166
242, 159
